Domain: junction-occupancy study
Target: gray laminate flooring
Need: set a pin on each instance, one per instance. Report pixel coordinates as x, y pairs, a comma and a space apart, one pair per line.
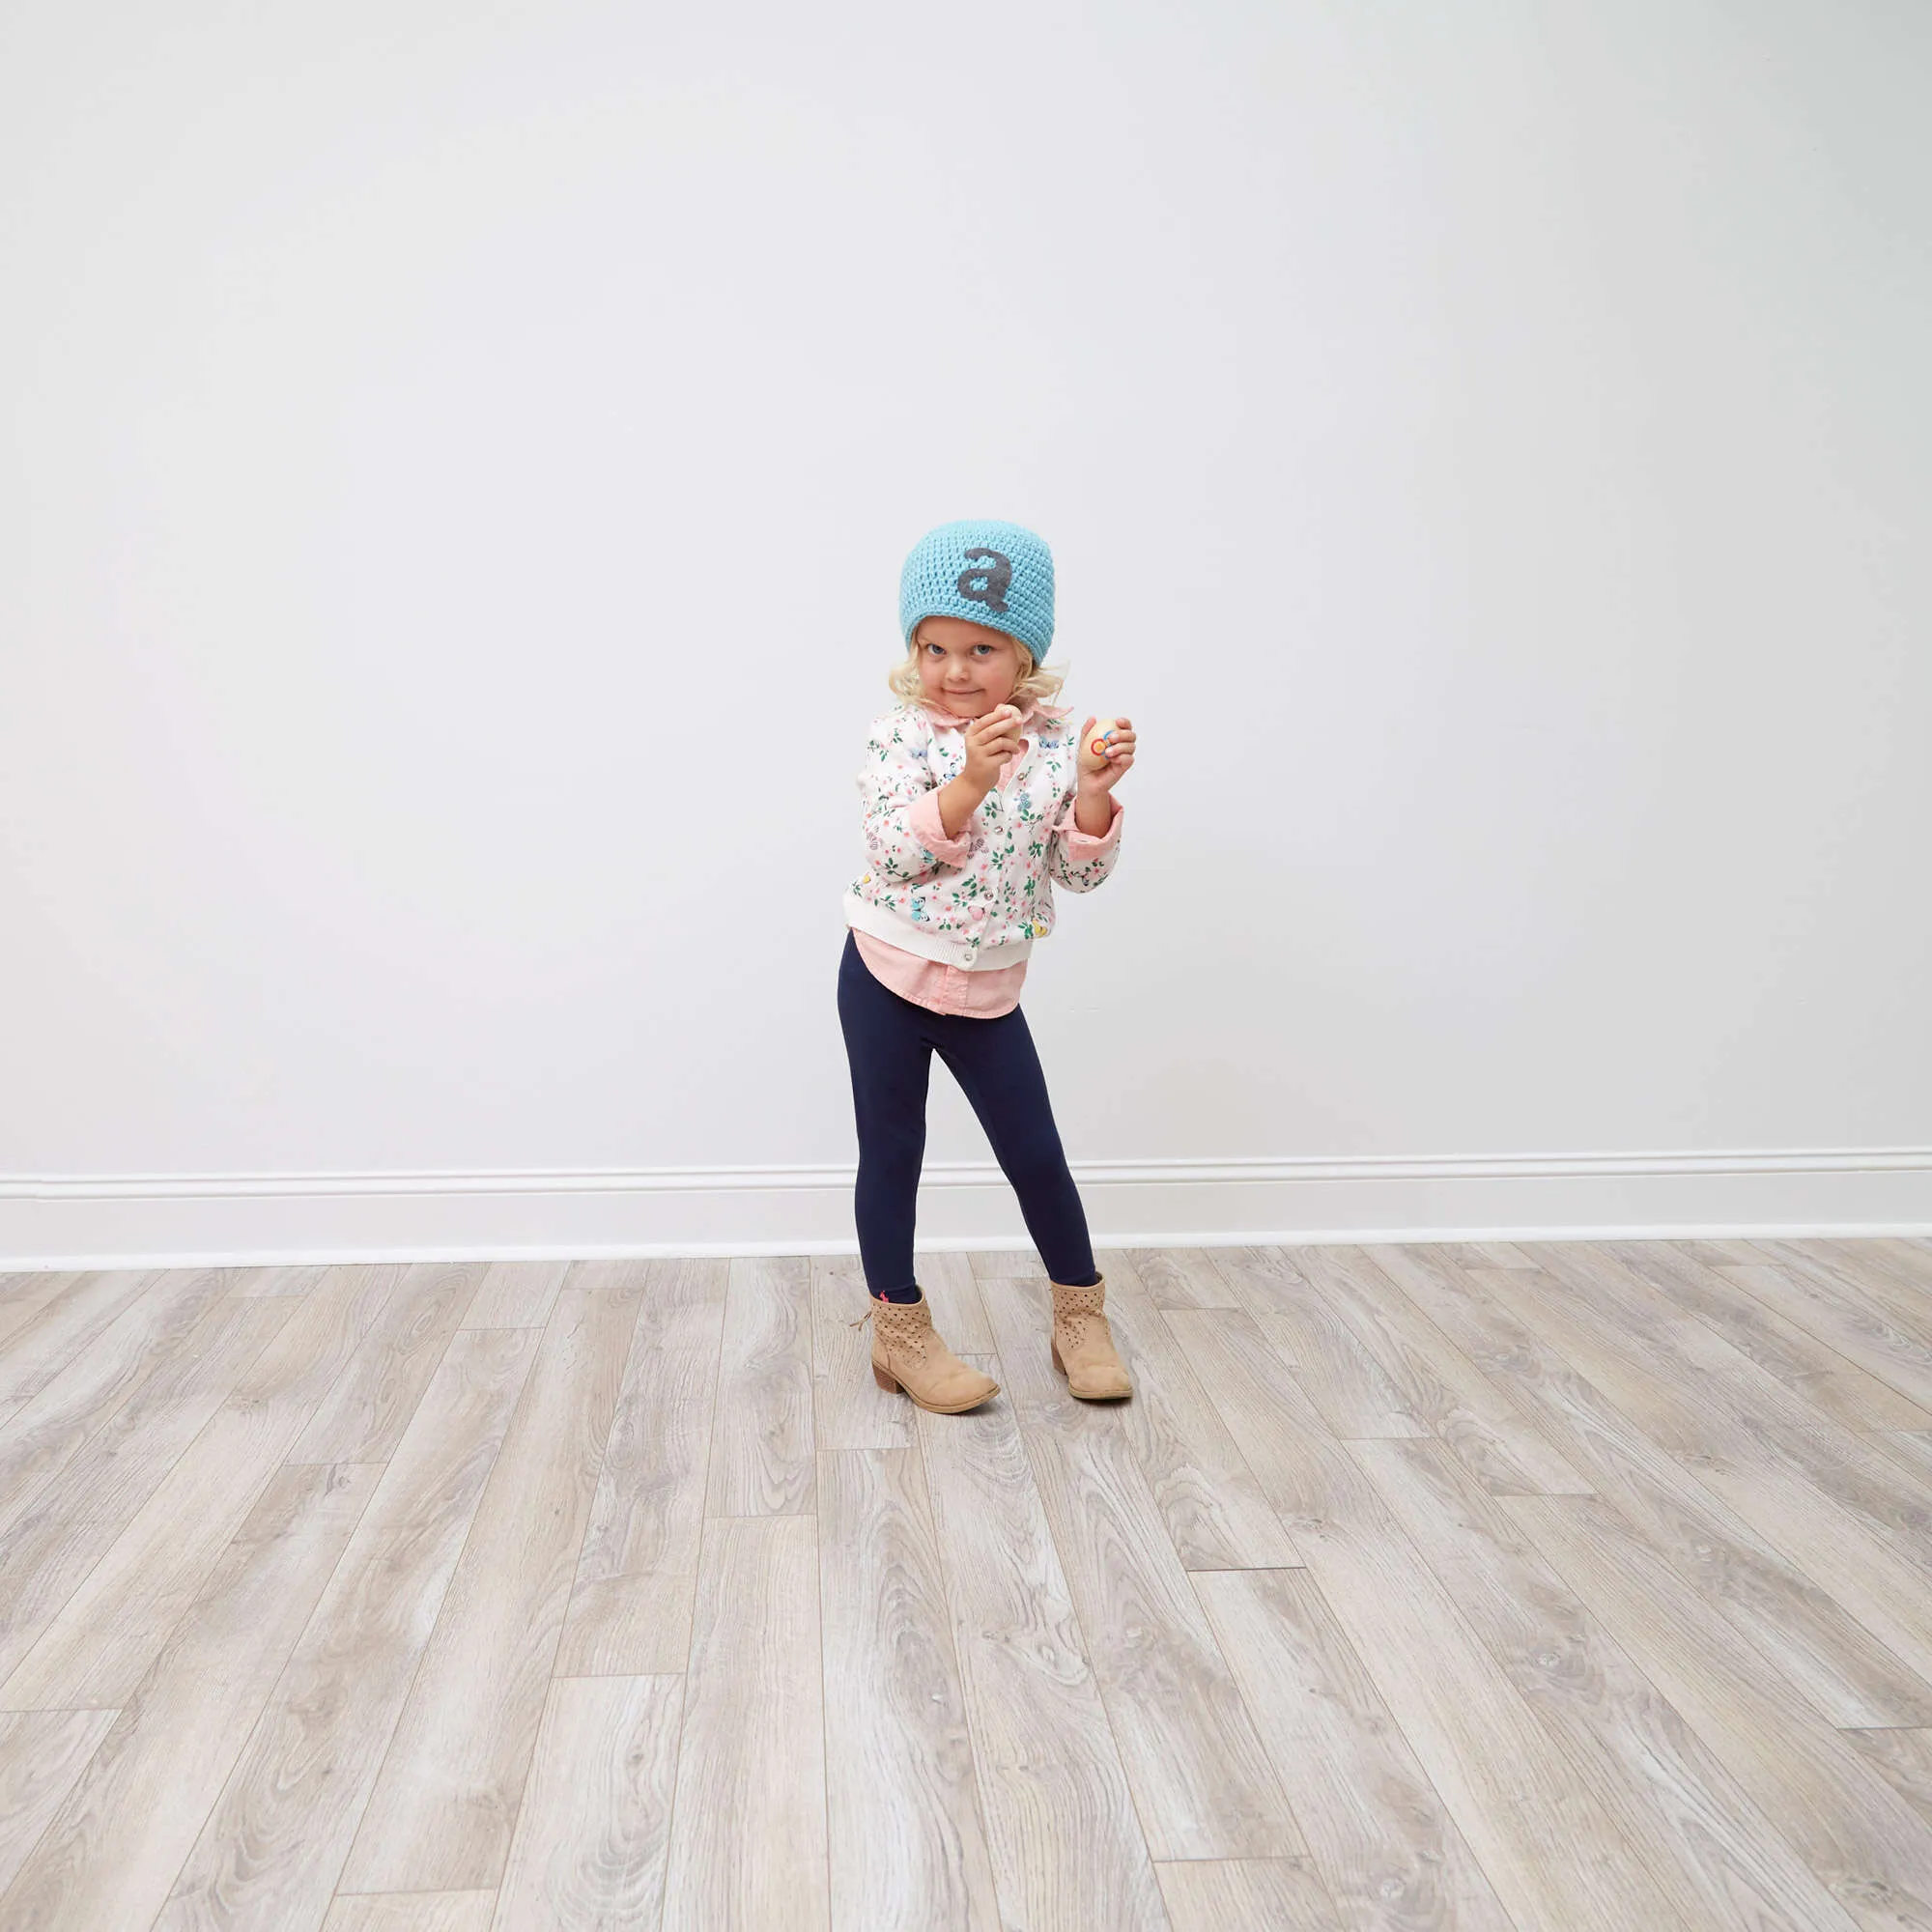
1569, 1587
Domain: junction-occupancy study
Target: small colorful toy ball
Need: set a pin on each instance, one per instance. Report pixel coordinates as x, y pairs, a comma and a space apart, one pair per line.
1100, 737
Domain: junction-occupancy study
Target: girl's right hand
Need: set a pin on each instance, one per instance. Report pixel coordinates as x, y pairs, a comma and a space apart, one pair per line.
990, 741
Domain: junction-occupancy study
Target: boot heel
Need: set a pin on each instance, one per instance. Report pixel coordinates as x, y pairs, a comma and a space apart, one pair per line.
1057, 1362
888, 1382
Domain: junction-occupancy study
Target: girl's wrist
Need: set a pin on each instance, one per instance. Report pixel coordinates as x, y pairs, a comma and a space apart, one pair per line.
959, 798
1093, 813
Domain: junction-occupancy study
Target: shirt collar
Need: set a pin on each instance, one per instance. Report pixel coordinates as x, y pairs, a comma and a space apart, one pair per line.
1049, 714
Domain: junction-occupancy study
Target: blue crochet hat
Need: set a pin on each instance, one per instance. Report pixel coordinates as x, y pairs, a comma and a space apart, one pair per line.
999, 574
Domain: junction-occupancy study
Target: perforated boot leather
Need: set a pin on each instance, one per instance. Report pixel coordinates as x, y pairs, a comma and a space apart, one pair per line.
1083, 1344
908, 1353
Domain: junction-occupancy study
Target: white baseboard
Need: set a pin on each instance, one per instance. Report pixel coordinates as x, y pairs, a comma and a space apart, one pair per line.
92, 1221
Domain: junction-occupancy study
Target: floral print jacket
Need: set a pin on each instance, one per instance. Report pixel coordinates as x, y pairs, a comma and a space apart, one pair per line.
982, 898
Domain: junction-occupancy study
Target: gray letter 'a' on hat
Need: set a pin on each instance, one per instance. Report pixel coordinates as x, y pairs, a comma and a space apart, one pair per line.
999, 574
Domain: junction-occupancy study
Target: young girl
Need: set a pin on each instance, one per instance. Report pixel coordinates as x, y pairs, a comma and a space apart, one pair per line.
978, 797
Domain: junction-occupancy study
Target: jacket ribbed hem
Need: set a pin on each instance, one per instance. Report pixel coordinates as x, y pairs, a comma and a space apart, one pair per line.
881, 923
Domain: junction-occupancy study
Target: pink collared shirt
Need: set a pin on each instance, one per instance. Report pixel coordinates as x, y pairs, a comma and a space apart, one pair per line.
952, 989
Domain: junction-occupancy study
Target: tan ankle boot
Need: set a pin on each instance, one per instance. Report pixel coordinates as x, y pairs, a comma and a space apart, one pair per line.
1083, 1345
908, 1353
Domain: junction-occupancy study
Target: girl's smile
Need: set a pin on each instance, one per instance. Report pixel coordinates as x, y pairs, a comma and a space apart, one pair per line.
964, 668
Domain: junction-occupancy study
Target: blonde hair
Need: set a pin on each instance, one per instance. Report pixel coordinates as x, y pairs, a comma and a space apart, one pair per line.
1035, 684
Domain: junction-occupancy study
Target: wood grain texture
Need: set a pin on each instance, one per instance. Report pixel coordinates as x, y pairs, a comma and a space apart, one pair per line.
43, 1755
1881, 1272
1212, 1508
1182, 1278
747, 1850
1826, 1655
1436, 1383
1201, 1784
1808, 1487
110, 1854
363, 1416
47, 1431
1836, 1306
1487, 1253
318, 1337
109, 1631
907, 1841
1889, 1502
1608, 1606
1697, 1832
73, 1518
1000, 1264
1295, 1304
1910, 1449
762, 1442
1726, 1251
445, 1806
1061, 1827
1909, 1256
1548, 1849
22, 1296
56, 1331
280, 1282
596, 1822
414, 1911
275, 1841
1591, 1284
516, 1294
1216, 1894
1873, 1853
1388, 1854
636, 1574
1729, 1301
1904, 1760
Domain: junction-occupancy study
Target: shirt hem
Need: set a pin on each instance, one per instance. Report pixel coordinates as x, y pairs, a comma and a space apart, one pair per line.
881, 923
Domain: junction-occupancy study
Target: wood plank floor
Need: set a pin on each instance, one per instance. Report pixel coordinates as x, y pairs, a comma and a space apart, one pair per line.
1554, 1587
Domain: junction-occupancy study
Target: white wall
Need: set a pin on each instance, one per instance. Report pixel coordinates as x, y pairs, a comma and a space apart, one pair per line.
457, 467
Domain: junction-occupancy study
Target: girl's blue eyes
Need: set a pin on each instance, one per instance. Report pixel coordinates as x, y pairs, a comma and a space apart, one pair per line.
939, 650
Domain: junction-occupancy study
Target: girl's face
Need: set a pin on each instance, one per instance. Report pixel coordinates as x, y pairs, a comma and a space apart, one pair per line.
964, 668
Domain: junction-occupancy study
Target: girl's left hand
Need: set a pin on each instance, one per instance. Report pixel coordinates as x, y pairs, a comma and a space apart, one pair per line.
1120, 757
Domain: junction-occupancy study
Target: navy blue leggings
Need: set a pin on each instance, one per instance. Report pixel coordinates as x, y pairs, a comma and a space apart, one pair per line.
891, 1042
